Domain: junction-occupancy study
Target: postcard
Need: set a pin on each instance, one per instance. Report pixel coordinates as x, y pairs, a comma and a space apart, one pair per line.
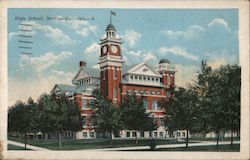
124, 80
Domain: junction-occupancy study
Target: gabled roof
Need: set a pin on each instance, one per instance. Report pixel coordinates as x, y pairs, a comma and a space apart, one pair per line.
143, 69
64, 88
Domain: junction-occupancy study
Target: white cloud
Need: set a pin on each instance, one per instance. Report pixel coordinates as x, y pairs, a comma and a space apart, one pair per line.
179, 52
55, 34
186, 74
81, 27
60, 77
219, 22
131, 37
192, 32
150, 57
96, 66
134, 53
44, 61
93, 48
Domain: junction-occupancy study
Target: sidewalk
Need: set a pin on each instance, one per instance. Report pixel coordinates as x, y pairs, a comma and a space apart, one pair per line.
28, 146
201, 143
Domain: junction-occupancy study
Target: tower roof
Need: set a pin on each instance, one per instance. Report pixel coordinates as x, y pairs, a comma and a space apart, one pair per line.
110, 27
164, 61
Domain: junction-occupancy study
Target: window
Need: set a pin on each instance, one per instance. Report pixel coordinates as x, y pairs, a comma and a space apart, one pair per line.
114, 94
168, 79
141, 134
92, 134
114, 73
84, 103
140, 78
150, 134
131, 77
155, 106
128, 134
148, 78
84, 121
136, 77
153, 79
178, 134
161, 134
145, 104
133, 134
157, 80
183, 134
144, 79
161, 121
104, 74
84, 134
155, 134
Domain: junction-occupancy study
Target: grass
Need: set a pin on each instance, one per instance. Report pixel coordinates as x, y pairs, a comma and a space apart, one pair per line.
14, 147
220, 148
77, 144
213, 139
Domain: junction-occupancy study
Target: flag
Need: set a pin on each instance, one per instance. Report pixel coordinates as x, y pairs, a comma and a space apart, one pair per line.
112, 13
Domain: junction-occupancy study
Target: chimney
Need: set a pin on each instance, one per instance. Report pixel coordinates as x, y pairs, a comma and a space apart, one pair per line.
82, 64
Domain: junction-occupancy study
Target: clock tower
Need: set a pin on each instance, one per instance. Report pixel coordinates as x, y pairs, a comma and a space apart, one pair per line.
110, 65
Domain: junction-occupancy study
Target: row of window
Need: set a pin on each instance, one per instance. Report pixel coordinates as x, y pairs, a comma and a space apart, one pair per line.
85, 81
91, 134
155, 106
144, 78
142, 134
144, 92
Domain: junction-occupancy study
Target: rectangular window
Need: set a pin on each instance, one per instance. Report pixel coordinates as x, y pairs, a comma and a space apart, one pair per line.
141, 134
84, 103
84, 121
92, 134
131, 77
161, 121
148, 78
183, 134
155, 106
178, 134
133, 134
103, 74
155, 134
161, 134
144, 79
150, 134
145, 104
140, 78
114, 73
114, 94
136, 77
128, 134
84, 134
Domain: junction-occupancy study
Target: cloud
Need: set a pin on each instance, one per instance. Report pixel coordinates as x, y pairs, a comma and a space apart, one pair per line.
44, 61
22, 90
134, 53
179, 52
219, 22
96, 66
150, 57
131, 37
186, 74
191, 32
93, 48
81, 27
55, 34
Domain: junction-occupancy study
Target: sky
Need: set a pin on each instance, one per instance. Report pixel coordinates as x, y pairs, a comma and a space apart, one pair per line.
183, 36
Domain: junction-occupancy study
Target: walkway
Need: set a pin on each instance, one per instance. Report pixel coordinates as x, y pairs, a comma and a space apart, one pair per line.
28, 146
200, 143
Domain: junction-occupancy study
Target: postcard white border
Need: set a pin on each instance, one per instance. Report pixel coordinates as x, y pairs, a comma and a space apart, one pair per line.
243, 7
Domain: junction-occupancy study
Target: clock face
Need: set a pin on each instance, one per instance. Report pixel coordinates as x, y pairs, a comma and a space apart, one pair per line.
114, 49
104, 49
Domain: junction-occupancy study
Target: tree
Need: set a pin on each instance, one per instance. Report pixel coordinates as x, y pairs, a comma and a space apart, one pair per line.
181, 111
219, 94
106, 115
58, 114
134, 116
21, 118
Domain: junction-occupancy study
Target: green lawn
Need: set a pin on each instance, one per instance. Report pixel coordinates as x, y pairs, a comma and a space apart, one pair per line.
13, 147
220, 148
74, 144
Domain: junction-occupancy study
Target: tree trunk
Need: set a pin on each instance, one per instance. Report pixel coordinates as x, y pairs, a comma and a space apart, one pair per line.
232, 137
187, 139
25, 141
111, 139
136, 139
60, 139
217, 140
